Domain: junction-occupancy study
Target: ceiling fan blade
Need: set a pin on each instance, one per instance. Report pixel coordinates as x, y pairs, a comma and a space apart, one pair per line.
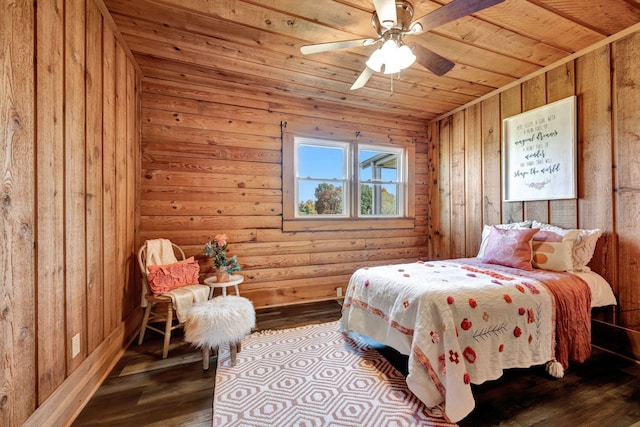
386, 11
430, 60
324, 47
450, 12
362, 79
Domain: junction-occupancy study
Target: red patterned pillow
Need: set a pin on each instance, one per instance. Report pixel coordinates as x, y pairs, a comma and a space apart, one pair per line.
164, 278
511, 248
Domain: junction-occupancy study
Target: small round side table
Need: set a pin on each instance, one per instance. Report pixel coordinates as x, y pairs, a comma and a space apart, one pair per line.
234, 280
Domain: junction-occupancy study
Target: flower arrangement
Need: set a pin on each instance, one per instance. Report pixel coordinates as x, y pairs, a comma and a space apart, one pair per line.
216, 249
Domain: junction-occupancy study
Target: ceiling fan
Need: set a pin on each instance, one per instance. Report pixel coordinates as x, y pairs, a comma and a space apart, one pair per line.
392, 20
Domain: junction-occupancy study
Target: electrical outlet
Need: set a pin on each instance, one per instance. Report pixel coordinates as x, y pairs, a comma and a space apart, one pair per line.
339, 292
75, 345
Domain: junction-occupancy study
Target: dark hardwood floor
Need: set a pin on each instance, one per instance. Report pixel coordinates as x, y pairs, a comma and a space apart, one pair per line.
145, 390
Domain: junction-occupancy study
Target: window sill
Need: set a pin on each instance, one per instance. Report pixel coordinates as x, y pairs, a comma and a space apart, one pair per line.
339, 224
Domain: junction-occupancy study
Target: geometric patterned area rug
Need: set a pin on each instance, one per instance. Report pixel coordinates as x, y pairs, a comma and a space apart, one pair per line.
313, 376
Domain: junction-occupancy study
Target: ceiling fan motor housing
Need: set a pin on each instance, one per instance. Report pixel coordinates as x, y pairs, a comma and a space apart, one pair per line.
404, 12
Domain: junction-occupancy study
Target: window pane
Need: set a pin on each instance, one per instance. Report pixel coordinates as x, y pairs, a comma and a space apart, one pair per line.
322, 178
378, 165
379, 199
320, 198
321, 162
380, 179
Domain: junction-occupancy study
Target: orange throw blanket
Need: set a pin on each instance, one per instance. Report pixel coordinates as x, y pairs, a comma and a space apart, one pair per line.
572, 304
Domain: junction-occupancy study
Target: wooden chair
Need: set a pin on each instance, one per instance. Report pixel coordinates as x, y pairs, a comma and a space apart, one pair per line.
159, 307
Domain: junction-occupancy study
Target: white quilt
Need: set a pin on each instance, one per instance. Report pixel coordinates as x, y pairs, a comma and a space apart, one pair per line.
459, 324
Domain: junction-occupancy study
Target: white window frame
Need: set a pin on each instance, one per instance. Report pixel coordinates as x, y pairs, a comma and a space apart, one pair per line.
293, 222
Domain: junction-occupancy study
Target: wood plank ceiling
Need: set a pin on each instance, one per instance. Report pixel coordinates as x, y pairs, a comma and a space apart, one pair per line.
255, 45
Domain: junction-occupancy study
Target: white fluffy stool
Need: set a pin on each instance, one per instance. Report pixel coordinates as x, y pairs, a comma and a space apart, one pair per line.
221, 320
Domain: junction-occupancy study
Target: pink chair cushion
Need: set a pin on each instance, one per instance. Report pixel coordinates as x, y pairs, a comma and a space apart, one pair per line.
510, 247
164, 278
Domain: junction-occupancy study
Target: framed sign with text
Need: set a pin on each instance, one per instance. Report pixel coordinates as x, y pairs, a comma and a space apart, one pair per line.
539, 153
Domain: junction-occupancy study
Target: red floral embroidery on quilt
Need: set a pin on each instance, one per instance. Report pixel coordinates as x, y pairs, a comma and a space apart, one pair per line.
531, 288
466, 324
435, 338
531, 315
406, 304
501, 348
487, 272
530, 339
366, 283
469, 354
521, 311
517, 332
450, 300
443, 364
454, 357
520, 288
507, 298
466, 378
472, 303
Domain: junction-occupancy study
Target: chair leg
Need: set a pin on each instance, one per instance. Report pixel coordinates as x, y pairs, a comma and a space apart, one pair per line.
234, 351
167, 331
145, 320
205, 358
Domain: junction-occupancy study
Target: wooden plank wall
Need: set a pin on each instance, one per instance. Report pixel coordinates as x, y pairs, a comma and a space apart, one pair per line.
465, 148
212, 163
68, 213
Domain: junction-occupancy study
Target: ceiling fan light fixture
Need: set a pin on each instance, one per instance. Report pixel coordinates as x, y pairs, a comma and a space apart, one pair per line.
391, 68
375, 61
405, 57
393, 56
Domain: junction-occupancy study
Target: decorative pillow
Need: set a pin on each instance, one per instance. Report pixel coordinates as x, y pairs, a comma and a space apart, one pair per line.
553, 251
164, 278
583, 247
487, 229
510, 247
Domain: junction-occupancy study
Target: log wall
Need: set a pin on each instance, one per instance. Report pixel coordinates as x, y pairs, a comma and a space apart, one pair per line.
212, 163
69, 135
465, 149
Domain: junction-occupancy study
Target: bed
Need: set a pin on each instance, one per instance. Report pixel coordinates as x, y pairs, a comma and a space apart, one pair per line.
464, 321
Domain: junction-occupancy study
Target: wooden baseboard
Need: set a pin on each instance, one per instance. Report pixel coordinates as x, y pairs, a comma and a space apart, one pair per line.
617, 339
66, 402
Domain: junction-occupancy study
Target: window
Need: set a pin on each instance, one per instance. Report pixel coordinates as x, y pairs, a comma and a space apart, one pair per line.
381, 181
322, 178
340, 181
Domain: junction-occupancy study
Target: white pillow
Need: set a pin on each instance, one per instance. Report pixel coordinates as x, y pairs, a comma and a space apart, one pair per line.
583, 247
487, 229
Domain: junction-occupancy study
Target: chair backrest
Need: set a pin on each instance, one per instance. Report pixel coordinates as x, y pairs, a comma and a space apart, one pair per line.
142, 262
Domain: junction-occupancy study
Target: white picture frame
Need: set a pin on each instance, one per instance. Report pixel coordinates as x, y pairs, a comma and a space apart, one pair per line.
539, 160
